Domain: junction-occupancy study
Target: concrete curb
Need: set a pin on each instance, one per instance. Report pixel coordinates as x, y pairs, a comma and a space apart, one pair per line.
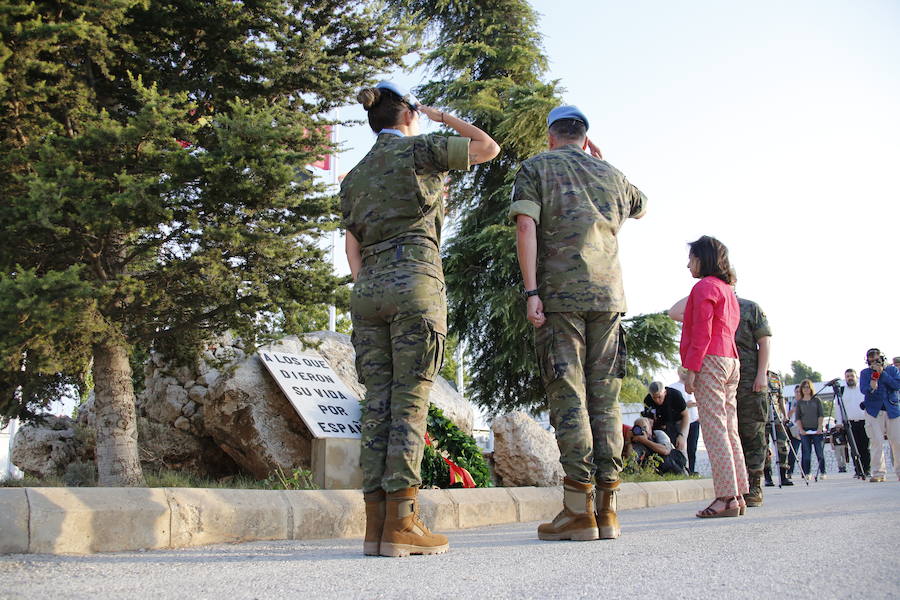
87, 520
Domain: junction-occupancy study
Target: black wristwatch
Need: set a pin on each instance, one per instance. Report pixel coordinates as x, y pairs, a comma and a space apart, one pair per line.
530, 293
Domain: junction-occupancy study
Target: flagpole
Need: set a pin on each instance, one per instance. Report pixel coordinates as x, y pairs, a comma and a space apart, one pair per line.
332, 311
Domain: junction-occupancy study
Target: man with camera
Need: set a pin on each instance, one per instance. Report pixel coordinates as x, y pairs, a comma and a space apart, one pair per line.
646, 442
668, 409
881, 386
853, 404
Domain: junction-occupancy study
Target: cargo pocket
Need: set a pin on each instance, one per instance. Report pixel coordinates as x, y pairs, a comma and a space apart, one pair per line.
432, 357
619, 368
544, 338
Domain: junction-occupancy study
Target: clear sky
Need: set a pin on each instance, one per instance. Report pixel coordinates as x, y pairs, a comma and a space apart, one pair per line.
774, 126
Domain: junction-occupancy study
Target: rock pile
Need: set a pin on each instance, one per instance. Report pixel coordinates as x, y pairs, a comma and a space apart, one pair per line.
222, 415
524, 452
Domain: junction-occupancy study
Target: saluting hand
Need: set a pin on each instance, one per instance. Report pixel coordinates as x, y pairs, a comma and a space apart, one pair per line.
593, 149
535, 312
432, 113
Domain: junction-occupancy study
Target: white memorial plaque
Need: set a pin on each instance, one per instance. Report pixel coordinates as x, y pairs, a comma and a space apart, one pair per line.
325, 404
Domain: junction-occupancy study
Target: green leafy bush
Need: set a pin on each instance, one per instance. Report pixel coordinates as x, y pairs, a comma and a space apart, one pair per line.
459, 447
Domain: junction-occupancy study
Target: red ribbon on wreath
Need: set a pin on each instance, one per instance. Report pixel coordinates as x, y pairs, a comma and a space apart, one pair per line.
457, 473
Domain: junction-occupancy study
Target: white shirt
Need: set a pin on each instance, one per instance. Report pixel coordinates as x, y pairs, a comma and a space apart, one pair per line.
693, 415
852, 397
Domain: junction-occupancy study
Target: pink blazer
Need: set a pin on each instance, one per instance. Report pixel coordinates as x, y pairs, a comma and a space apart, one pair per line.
711, 317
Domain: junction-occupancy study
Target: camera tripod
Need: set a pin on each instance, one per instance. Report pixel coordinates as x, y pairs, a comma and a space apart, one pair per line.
774, 422
859, 472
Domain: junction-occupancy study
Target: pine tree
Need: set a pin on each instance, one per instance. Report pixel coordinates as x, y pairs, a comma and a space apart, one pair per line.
487, 63
155, 187
488, 67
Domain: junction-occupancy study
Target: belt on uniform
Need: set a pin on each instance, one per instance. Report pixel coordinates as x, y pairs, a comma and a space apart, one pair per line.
393, 243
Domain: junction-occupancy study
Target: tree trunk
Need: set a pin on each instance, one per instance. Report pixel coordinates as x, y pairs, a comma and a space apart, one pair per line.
116, 418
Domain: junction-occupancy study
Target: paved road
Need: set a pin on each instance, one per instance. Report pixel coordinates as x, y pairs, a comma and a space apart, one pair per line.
838, 538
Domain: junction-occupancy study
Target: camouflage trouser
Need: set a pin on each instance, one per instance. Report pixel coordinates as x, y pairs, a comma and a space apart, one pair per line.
780, 444
582, 361
399, 325
752, 408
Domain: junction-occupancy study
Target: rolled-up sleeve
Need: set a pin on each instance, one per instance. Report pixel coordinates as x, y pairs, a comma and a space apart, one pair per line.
435, 153
526, 198
638, 201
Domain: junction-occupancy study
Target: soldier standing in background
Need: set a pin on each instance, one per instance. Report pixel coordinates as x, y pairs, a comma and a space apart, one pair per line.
392, 206
753, 338
568, 207
777, 416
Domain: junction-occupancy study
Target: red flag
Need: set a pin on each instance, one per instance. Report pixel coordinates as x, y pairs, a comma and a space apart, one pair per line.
457, 473
324, 163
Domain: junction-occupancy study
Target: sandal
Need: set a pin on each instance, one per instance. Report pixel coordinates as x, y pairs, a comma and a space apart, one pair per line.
731, 509
742, 504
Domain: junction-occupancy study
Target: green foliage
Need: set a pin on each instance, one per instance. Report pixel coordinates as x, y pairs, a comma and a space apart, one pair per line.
652, 344
298, 479
448, 371
800, 372
80, 474
633, 391
487, 67
459, 447
636, 468
116, 232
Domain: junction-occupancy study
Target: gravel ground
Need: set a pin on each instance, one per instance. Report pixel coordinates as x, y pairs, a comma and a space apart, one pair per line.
837, 538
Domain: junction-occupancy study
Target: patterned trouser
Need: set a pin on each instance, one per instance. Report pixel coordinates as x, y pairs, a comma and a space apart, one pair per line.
399, 324
582, 361
715, 390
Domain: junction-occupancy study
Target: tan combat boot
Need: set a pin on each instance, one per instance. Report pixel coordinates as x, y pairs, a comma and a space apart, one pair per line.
607, 520
754, 497
576, 521
404, 532
374, 522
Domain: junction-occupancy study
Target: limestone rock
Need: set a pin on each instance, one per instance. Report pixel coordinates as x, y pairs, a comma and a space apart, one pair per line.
183, 424
198, 393
337, 349
253, 422
167, 407
454, 406
45, 449
249, 417
164, 447
524, 452
208, 378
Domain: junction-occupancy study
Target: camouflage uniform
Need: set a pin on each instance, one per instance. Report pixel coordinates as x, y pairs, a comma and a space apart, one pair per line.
780, 433
752, 407
579, 204
392, 202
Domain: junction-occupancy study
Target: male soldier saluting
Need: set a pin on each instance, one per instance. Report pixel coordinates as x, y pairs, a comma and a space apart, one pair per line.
568, 208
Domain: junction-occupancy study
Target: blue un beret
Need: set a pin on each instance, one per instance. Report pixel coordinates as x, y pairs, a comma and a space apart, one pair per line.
567, 112
405, 95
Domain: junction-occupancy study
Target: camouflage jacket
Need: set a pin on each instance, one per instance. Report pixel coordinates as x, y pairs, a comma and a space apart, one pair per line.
579, 204
752, 326
396, 191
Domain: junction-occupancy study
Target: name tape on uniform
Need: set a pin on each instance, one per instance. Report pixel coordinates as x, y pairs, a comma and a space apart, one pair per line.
325, 404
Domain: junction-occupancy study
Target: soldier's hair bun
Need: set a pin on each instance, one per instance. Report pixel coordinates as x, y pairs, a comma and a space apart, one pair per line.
369, 97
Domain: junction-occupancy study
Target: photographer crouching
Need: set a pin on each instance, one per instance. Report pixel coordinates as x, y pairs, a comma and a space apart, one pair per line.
881, 386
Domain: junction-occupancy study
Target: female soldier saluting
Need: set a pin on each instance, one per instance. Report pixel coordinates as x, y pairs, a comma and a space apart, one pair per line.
393, 212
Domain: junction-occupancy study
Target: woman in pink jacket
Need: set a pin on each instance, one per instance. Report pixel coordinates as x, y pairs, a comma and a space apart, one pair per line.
709, 354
